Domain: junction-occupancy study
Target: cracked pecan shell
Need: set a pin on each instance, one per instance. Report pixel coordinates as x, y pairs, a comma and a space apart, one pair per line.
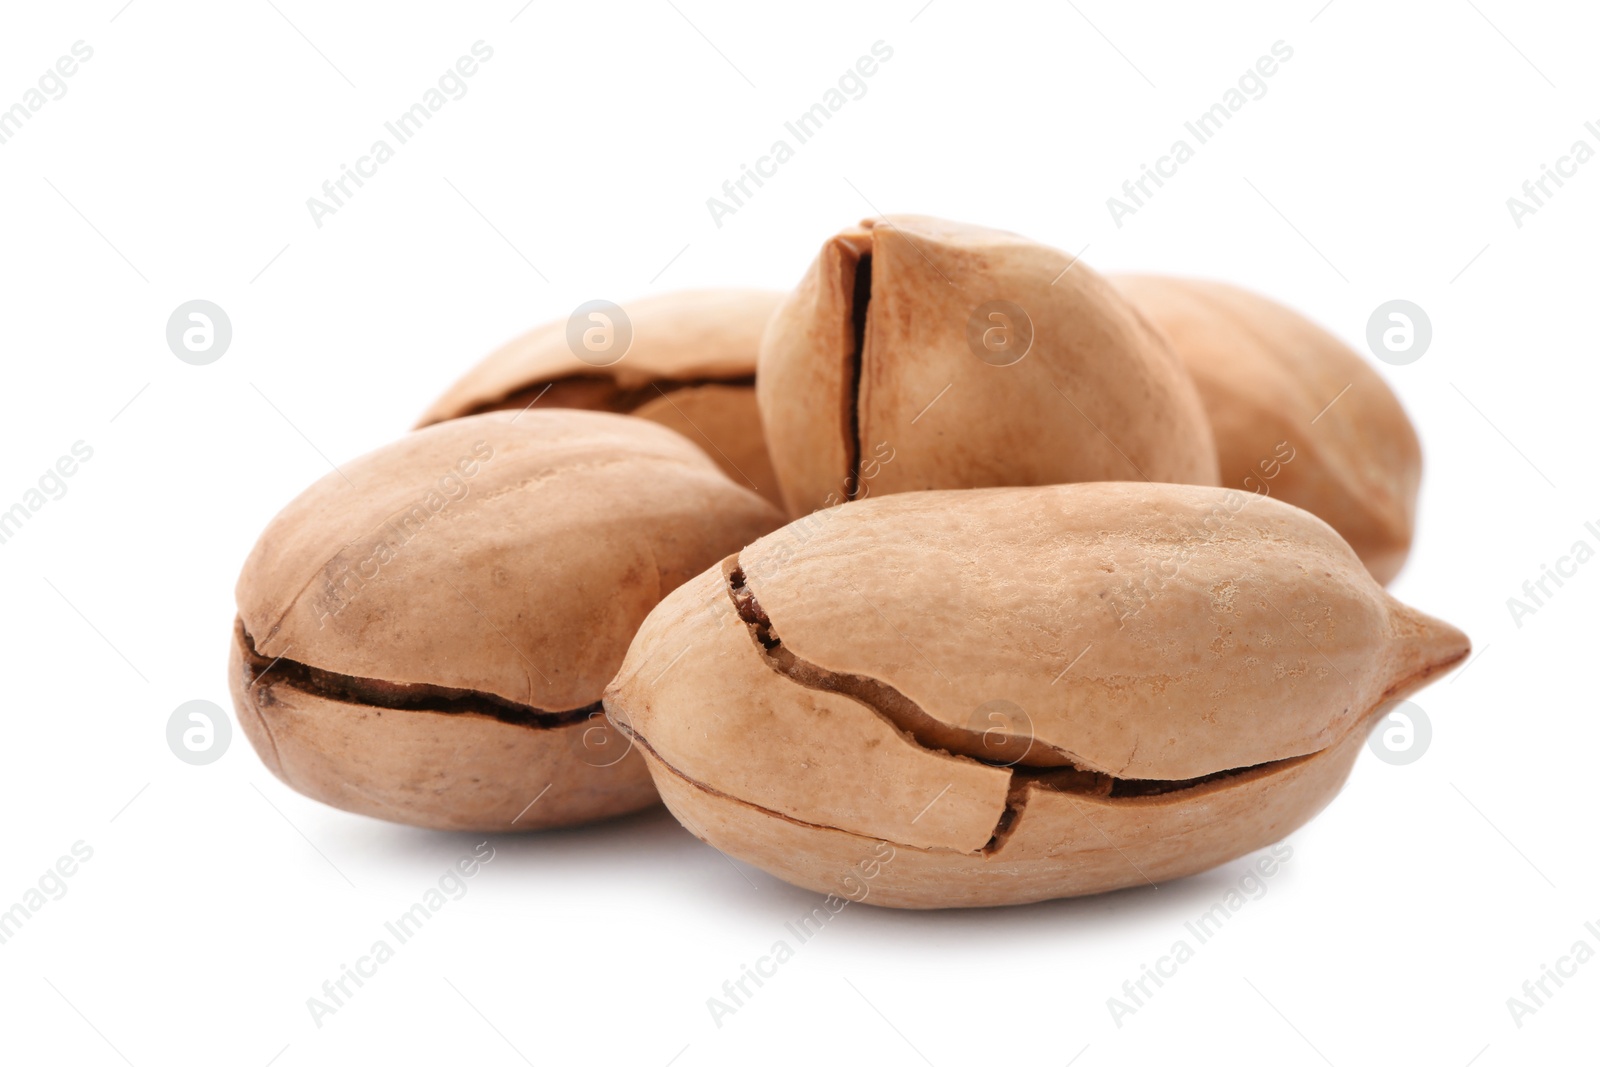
882, 351
1295, 412
691, 366
1189, 674
427, 641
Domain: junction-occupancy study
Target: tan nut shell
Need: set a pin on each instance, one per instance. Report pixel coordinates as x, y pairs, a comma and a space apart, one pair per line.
1098, 395
426, 643
1149, 634
691, 366
1268, 375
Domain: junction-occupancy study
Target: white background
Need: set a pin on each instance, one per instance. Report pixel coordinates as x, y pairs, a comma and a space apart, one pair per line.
177, 166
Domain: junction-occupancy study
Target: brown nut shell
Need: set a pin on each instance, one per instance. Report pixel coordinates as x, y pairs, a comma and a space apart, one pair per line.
1296, 413
880, 373
691, 366
1019, 690
428, 641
